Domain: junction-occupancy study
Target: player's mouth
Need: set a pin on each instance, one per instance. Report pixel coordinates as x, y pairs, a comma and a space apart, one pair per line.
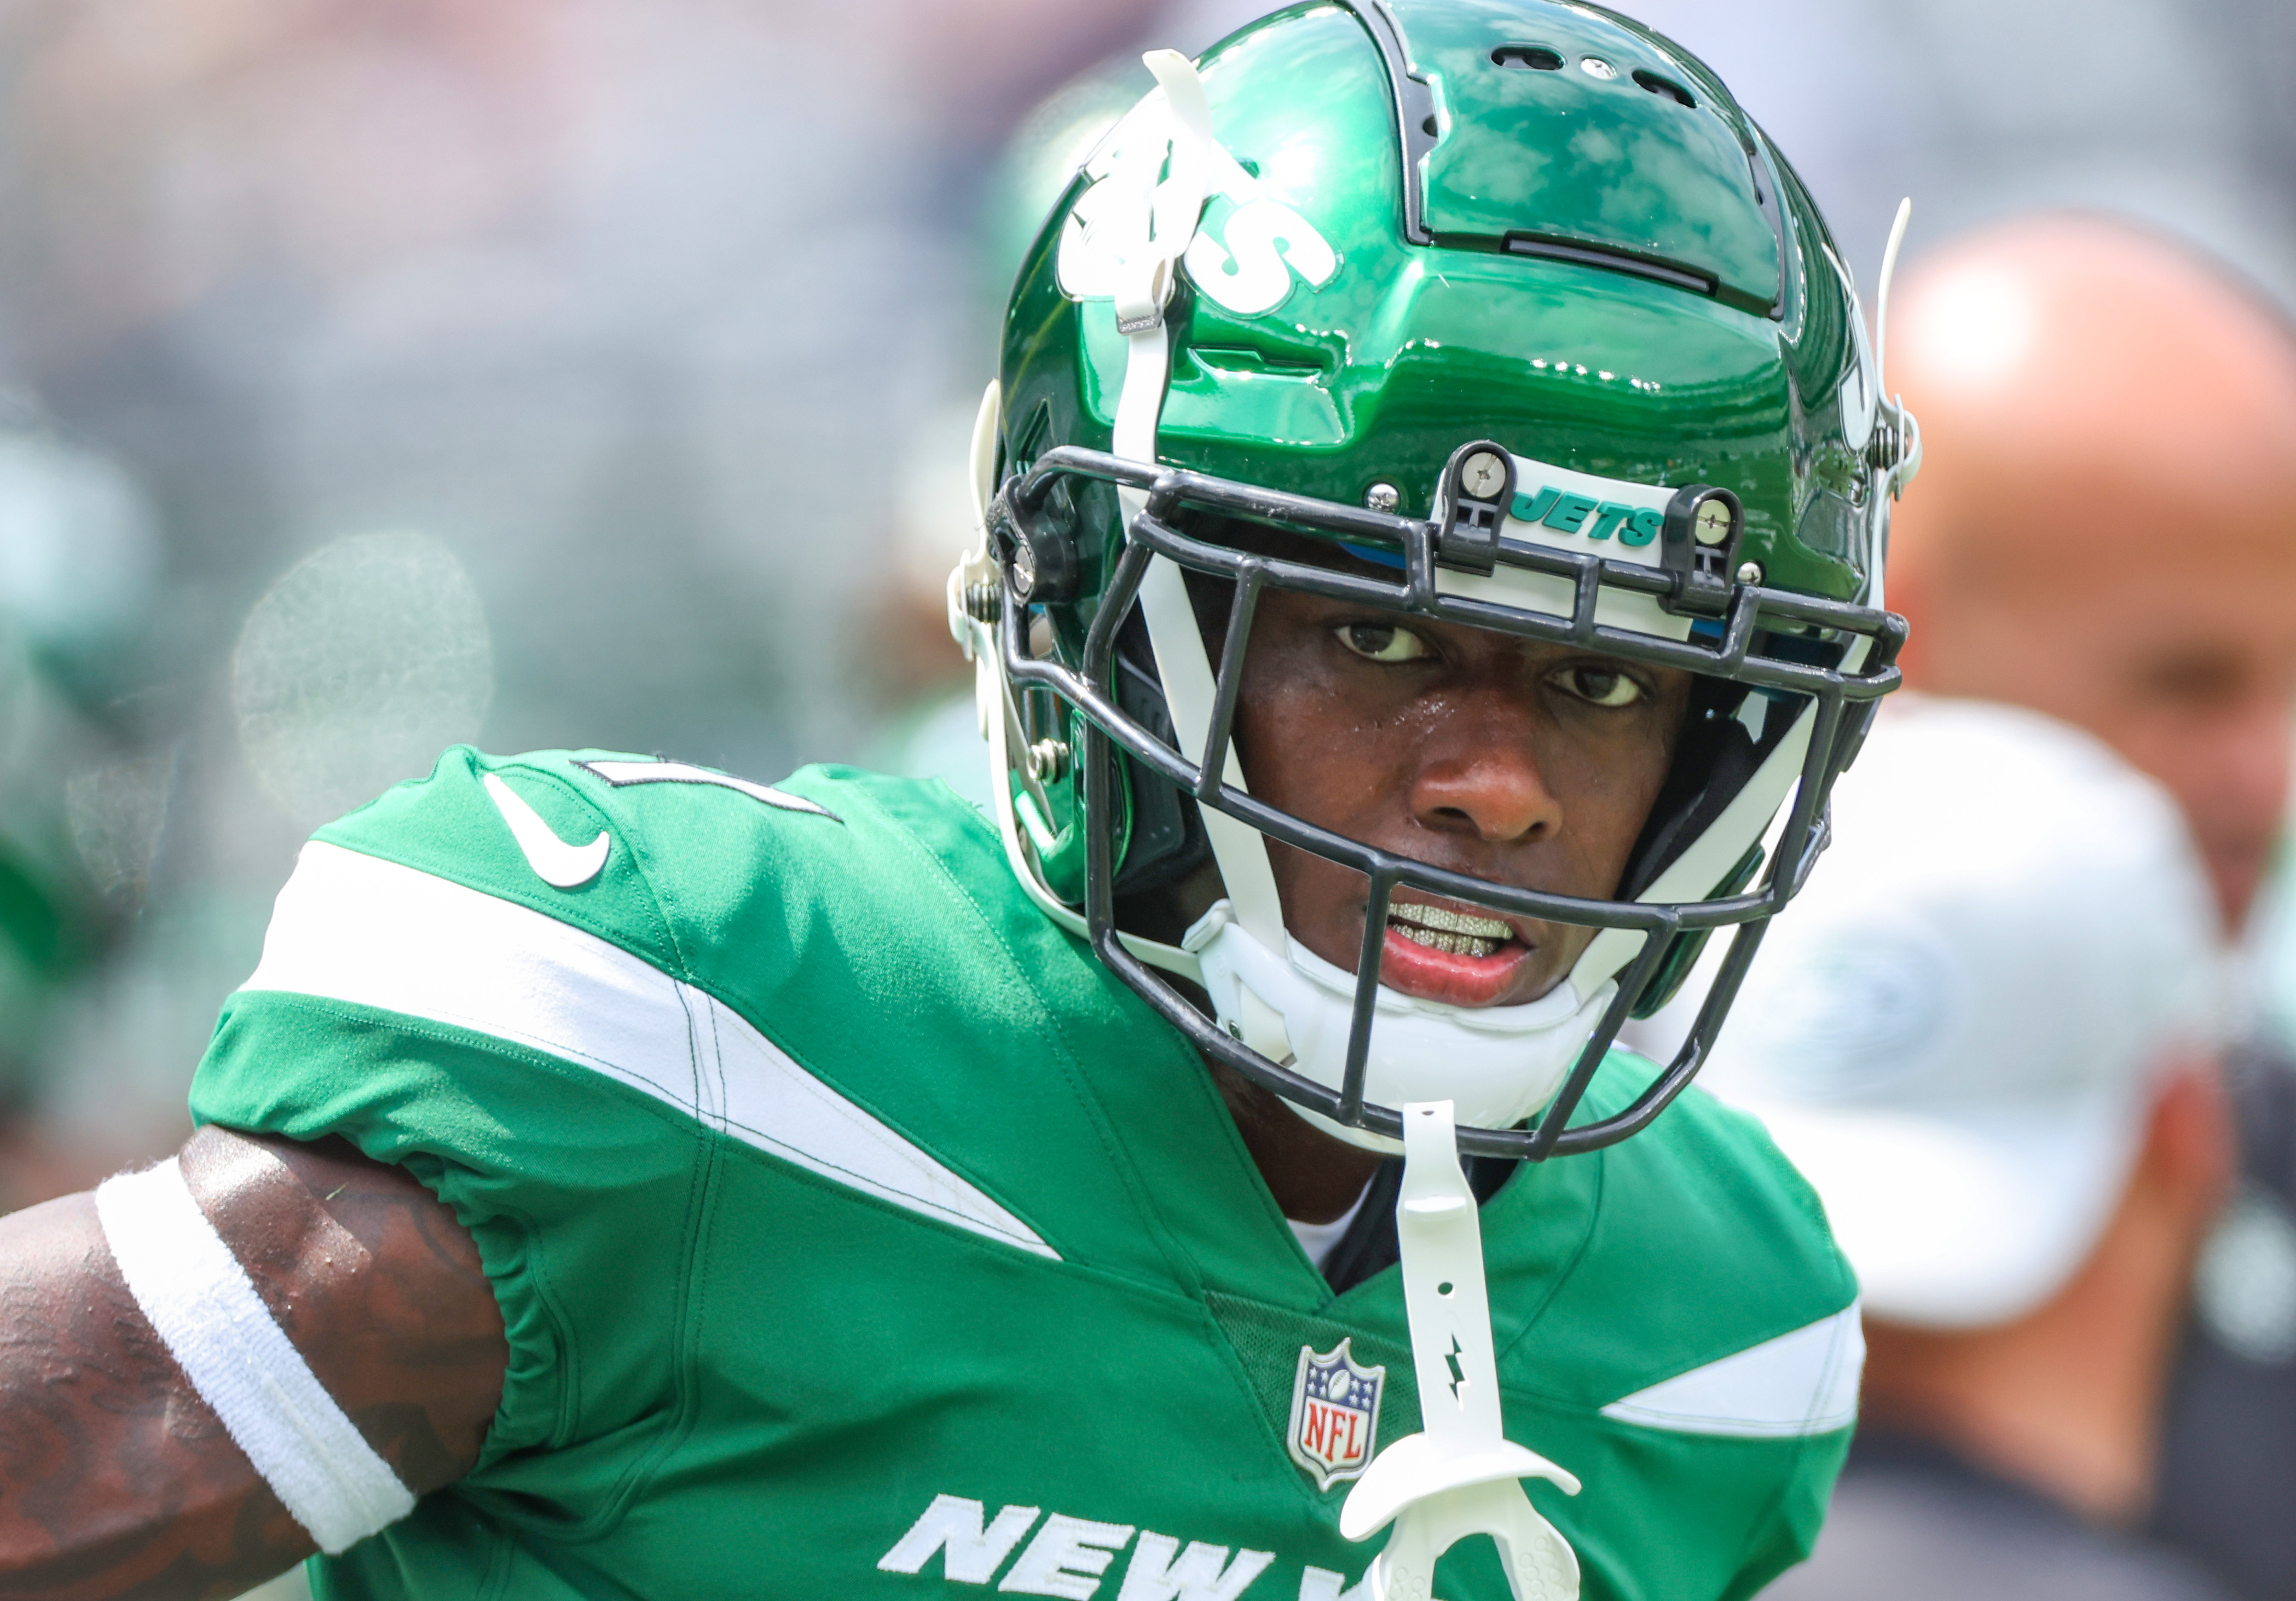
1447, 952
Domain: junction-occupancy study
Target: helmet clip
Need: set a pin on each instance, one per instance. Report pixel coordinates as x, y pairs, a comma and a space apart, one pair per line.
1477, 487
1036, 543
1699, 545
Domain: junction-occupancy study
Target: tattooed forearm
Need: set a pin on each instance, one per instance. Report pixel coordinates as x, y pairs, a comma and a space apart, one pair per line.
116, 1480
375, 1281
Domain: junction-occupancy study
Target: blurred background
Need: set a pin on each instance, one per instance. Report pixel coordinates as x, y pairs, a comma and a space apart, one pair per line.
376, 374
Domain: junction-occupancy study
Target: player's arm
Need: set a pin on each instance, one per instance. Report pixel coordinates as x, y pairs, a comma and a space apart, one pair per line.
119, 1478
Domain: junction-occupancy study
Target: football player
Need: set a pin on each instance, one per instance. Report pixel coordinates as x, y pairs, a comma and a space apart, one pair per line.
1432, 511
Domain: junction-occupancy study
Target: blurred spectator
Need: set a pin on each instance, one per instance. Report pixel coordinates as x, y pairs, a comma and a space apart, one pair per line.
1982, 1035
2105, 529
2106, 526
78, 550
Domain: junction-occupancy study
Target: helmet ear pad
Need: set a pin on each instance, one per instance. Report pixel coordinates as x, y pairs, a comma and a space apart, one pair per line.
1168, 845
1714, 756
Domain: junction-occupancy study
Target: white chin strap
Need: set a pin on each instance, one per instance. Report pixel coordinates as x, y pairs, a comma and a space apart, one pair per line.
1497, 1064
1165, 218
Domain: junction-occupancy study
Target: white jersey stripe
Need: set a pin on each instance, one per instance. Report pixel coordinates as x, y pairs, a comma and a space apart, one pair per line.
352, 927
621, 773
1802, 1382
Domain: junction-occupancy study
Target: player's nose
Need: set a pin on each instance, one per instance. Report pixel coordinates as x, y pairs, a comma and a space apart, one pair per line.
1485, 780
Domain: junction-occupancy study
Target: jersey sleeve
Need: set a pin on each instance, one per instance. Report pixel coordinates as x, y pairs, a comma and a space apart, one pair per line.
527, 1050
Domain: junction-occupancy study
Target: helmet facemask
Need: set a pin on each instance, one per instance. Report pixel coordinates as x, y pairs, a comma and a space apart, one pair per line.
1783, 690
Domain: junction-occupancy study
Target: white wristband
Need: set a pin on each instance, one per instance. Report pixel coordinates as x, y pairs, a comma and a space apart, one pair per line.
204, 1307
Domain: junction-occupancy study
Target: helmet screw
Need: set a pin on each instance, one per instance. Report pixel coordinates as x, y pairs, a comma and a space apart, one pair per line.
1883, 450
1482, 475
1713, 522
1383, 497
1048, 761
1749, 573
984, 602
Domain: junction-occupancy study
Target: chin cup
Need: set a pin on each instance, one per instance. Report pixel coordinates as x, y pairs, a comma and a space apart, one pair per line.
1498, 1064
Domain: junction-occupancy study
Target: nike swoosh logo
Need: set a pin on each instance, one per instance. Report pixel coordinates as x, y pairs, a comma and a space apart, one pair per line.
554, 861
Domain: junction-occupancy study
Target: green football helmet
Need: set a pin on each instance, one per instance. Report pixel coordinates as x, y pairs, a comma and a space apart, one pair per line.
1495, 313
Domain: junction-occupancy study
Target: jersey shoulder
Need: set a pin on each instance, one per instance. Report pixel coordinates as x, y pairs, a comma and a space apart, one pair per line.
1705, 1247
1705, 1328
668, 861
677, 947
585, 996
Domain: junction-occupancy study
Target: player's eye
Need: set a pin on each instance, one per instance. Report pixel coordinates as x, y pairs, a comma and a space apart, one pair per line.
1381, 642
1596, 685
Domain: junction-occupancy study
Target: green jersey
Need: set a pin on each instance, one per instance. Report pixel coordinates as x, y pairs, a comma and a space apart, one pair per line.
857, 1234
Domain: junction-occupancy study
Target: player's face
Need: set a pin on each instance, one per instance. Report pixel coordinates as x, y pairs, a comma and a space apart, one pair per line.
1531, 765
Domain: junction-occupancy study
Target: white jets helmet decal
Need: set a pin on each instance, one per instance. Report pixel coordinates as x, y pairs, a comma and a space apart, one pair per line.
1246, 267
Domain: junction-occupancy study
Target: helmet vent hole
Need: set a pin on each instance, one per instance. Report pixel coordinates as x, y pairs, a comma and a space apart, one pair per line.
1428, 127
1537, 57
1666, 86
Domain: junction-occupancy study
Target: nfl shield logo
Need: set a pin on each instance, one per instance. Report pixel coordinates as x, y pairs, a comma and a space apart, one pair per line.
1335, 1414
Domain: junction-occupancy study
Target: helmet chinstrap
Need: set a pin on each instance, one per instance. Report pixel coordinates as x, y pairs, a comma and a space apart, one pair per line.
1840, 702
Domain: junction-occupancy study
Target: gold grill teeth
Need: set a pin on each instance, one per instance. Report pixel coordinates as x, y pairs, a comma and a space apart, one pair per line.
1456, 945
1443, 920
